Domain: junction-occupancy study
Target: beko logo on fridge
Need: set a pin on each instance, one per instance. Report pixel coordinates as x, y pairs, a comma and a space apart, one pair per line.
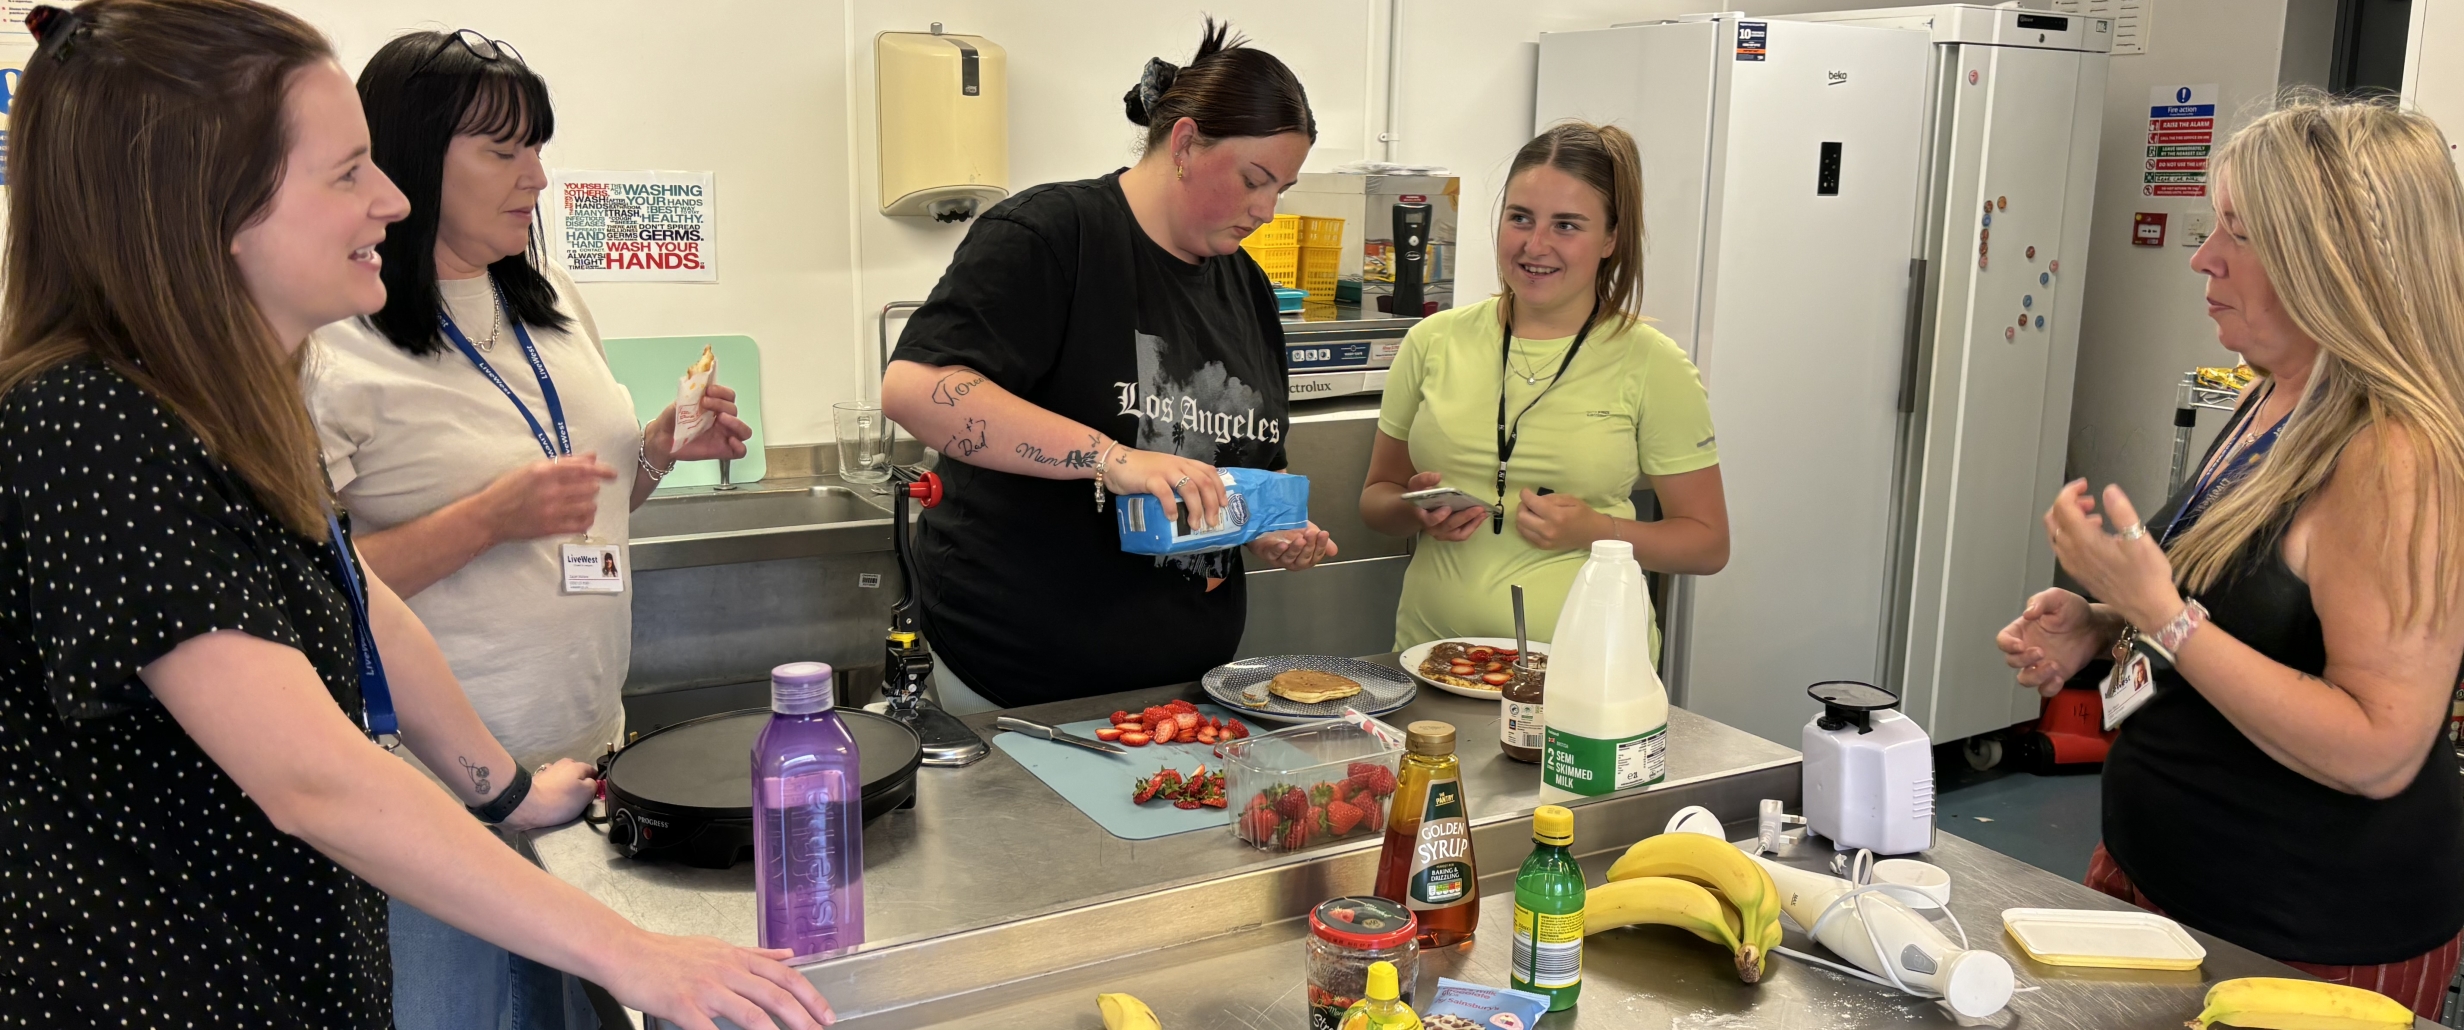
1836, 79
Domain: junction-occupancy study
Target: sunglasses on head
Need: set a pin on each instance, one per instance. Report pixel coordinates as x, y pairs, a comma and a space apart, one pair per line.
480, 46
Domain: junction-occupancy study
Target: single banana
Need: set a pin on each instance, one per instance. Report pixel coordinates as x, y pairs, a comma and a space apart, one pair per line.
1124, 1012
1668, 901
2272, 1003
1713, 863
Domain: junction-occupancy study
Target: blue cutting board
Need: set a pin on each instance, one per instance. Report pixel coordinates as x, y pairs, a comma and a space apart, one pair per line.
1100, 784
649, 366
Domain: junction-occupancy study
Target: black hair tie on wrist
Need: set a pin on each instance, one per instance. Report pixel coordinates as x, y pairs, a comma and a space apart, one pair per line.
501, 807
1152, 85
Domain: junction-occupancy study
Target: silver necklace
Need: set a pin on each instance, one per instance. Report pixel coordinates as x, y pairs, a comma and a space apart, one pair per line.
496, 317
1531, 378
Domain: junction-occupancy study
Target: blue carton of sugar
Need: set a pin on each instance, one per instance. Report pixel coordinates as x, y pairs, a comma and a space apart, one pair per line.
1459, 1004
1256, 502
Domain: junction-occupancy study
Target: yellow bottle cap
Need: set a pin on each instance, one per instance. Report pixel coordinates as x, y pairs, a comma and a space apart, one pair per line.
1553, 825
1382, 982
903, 638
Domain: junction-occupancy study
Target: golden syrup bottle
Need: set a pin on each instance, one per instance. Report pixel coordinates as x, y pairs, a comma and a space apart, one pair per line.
1427, 863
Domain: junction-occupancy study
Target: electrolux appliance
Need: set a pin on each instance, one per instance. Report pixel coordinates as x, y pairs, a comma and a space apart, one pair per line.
1891, 430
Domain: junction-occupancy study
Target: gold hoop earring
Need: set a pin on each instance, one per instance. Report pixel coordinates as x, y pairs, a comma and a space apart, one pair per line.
1180, 171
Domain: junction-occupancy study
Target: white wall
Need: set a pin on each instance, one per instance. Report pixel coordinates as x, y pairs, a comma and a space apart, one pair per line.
776, 97
2433, 73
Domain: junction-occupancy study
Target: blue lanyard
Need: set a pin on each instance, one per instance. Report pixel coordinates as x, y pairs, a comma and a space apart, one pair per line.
376, 697
562, 444
2230, 471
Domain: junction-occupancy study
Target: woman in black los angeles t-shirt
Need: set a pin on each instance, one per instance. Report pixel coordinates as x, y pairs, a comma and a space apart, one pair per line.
1107, 335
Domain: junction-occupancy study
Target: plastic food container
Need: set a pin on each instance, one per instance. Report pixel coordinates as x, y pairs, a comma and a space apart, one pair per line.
2093, 937
1345, 936
1343, 775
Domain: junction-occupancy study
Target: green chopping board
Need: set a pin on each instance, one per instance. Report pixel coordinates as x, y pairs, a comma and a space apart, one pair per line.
649, 366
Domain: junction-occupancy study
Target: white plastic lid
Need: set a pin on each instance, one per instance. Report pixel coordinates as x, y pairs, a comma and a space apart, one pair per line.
1978, 984
801, 688
1612, 550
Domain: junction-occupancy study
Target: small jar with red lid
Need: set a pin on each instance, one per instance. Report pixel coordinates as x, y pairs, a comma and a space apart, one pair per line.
1345, 936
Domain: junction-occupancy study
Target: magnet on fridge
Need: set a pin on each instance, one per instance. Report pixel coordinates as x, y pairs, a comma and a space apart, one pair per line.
2054, 265
2044, 278
1989, 209
1984, 234
2009, 333
2027, 301
2031, 253
1988, 218
2023, 320
1971, 76
2040, 321
2002, 203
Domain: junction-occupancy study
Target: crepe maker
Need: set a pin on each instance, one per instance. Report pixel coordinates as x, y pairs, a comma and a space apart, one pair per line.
684, 793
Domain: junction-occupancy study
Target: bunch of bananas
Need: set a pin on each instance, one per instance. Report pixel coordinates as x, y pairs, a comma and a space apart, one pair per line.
1699, 884
2273, 1003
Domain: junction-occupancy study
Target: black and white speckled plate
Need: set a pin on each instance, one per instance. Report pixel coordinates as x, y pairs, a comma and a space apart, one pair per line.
1382, 689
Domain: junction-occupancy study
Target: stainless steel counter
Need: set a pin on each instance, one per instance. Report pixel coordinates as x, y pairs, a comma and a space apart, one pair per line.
995, 903
989, 842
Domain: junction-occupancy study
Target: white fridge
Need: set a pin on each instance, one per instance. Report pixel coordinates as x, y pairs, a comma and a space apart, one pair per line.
1814, 191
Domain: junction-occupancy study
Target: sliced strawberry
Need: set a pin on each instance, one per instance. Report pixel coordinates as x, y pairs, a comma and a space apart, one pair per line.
1155, 716
1207, 736
1342, 818
1239, 730
1108, 733
1132, 726
1144, 792
1497, 679
1179, 705
1135, 738
1480, 654
1215, 801
1188, 720
1191, 804
1165, 731
1119, 718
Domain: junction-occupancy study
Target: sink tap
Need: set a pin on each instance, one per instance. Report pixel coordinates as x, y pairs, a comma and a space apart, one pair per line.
724, 484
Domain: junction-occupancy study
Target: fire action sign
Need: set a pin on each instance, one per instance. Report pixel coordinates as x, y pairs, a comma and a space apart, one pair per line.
2181, 139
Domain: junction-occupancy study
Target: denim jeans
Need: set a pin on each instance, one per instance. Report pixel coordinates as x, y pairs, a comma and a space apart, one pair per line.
445, 979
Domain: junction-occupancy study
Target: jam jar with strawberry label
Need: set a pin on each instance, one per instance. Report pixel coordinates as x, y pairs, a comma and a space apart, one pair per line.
1346, 935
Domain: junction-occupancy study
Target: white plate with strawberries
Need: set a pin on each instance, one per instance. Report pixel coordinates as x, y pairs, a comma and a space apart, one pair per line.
1475, 678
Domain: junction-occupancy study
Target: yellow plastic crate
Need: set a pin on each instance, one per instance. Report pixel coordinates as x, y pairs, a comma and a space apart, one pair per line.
1284, 231
1317, 269
1318, 232
1282, 264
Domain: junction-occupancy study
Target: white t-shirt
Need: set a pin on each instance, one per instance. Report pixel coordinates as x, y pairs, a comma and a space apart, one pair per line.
404, 436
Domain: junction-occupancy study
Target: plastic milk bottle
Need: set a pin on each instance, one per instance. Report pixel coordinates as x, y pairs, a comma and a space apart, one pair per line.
1608, 713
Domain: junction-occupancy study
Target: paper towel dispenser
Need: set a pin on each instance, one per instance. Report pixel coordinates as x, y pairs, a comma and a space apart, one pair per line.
943, 106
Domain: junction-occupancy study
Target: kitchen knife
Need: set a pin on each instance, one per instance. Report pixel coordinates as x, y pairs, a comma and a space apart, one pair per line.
1037, 729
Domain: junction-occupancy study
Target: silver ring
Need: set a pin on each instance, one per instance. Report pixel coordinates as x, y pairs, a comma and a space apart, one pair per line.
2134, 531
1181, 482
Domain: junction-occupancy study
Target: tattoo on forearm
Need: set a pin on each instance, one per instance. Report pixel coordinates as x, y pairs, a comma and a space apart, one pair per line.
1075, 459
954, 386
968, 441
478, 774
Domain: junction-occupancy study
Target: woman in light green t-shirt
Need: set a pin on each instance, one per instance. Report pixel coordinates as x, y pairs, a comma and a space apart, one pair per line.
1593, 402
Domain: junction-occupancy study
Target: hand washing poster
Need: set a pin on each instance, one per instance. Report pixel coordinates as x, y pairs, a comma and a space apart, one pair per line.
641, 227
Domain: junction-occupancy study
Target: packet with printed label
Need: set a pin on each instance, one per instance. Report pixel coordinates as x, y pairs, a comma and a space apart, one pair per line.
1256, 502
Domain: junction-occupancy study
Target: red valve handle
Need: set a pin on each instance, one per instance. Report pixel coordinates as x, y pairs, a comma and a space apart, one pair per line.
927, 490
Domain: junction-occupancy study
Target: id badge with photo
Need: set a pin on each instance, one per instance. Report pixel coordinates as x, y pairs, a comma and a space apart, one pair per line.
593, 568
2131, 683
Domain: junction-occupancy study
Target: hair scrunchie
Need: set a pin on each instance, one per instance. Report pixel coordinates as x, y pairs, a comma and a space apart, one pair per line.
1152, 84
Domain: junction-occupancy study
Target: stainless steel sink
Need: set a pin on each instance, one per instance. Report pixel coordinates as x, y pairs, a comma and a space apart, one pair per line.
758, 525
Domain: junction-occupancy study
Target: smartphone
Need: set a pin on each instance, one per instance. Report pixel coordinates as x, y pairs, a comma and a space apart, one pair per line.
1436, 498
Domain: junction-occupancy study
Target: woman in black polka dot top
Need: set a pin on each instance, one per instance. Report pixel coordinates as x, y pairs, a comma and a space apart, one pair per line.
194, 824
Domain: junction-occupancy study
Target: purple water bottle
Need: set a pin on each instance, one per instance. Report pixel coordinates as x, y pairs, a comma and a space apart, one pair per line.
808, 818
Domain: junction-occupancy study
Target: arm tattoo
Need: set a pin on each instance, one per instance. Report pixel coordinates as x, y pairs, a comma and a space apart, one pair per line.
969, 440
478, 774
1075, 459
954, 386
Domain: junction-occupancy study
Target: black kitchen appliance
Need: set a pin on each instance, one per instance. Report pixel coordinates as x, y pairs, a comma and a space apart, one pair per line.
907, 662
1411, 260
684, 793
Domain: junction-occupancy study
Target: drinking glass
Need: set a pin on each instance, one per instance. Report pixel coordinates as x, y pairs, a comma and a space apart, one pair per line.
863, 442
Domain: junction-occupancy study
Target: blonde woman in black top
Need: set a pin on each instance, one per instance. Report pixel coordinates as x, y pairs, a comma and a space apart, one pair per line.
2297, 610
193, 830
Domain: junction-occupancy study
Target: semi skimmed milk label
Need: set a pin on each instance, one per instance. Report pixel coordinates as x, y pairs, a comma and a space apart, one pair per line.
1442, 855
1591, 765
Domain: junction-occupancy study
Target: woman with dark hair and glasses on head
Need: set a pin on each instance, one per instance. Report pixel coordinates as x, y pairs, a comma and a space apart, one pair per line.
1107, 335
473, 427
196, 668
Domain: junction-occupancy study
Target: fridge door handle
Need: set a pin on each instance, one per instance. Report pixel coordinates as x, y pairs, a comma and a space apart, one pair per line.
1916, 332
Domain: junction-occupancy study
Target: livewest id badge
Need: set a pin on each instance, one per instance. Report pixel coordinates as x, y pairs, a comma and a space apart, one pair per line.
2128, 686
593, 569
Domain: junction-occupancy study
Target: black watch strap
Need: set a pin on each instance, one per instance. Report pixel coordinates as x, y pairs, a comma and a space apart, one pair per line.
502, 805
